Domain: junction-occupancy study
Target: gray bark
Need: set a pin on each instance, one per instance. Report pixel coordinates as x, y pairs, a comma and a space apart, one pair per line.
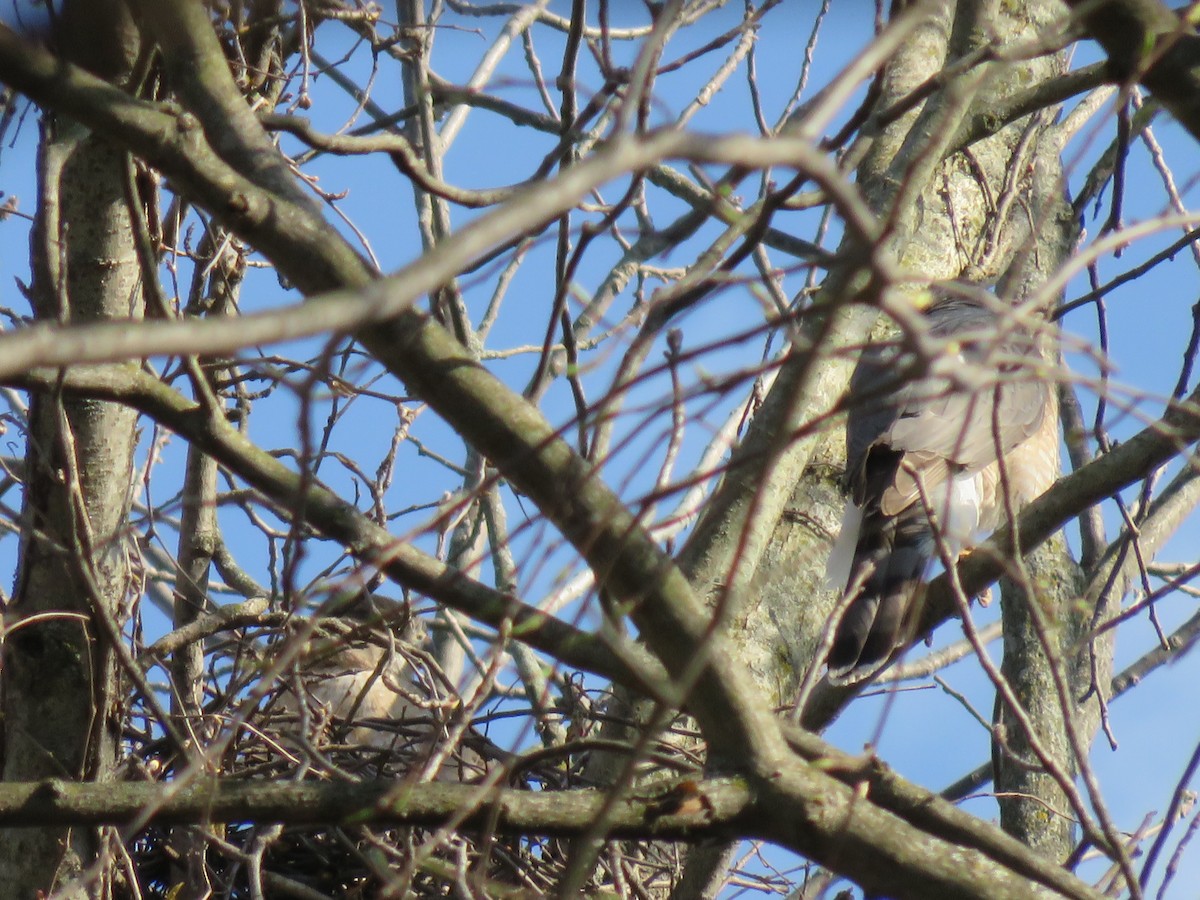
1044, 624
956, 232
62, 705
198, 539
767, 562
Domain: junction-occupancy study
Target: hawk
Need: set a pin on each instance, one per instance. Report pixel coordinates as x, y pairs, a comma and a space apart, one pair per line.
924, 432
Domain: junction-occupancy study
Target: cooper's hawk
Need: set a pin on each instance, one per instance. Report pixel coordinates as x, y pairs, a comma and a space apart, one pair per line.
925, 429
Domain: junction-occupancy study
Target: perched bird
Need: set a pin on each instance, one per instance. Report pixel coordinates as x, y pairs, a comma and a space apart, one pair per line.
926, 427
365, 708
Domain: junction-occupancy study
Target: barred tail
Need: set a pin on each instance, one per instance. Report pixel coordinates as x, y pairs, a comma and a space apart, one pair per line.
890, 560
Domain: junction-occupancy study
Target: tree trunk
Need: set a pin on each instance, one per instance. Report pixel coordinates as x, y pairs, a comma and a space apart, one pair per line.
953, 231
62, 711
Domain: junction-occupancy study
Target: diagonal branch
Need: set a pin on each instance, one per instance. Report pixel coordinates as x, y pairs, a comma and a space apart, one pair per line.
1149, 43
508, 430
341, 521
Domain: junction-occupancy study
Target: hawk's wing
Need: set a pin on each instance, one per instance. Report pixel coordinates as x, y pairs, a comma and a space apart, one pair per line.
938, 434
